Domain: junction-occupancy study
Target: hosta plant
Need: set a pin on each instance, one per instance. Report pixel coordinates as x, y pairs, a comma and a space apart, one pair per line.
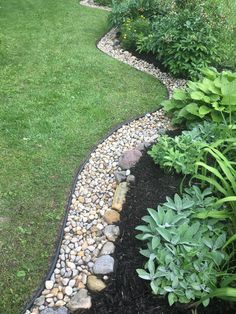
211, 98
184, 252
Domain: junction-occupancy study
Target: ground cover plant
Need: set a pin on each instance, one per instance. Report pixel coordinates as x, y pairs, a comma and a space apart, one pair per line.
184, 36
59, 96
184, 252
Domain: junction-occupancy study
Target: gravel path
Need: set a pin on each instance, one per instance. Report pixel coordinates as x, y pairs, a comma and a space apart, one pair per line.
89, 234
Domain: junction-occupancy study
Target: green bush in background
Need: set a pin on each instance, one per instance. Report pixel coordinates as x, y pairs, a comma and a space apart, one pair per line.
183, 35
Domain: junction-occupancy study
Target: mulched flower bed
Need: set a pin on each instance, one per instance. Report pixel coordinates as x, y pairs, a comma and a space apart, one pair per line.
126, 292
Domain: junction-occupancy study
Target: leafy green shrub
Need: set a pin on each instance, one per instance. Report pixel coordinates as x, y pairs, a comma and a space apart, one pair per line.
178, 153
184, 41
220, 173
183, 151
134, 8
212, 98
184, 35
132, 30
184, 254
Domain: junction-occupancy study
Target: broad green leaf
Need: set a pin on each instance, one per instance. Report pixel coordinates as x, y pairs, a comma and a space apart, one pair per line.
171, 298
144, 229
143, 274
143, 237
196, 286
210, 72
220, 241
154, 287
217, 257
203, 110
154, 214
216, 116
164, 233
155, 242
178, 202
168, 105
151, 267
189, 294
191, 231
193, 109
197, 95
179, 94
206, 302
229, 100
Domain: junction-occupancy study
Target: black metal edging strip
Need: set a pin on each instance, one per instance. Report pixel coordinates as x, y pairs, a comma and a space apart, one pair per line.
54, 258
97, 42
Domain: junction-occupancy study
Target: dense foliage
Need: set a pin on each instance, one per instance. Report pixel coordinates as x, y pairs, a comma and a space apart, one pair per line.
135, 8
184, 253
180, 153
206, 153
184, 36
213, 98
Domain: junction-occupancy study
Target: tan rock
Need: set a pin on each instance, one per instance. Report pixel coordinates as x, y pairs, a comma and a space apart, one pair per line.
84, 245
81, 253
119, 197
60, 296
55, 291
60, 303
81, 285
111, 216
81, 199
95, 284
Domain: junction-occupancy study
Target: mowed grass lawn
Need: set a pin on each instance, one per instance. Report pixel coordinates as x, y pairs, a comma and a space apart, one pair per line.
59, 96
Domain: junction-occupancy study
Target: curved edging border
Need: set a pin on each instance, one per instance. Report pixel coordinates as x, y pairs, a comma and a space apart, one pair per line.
58, 243
97, 43
59, 240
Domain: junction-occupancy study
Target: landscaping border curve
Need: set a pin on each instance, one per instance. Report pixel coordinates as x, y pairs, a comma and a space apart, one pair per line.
54, 258
59, 240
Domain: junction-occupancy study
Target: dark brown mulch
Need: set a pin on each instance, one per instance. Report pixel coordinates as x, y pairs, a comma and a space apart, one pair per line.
126, 293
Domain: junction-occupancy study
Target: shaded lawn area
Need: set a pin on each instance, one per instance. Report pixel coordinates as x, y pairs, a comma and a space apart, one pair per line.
59, 96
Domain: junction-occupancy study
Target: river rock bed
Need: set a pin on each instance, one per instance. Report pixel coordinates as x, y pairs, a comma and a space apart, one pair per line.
85, 259
110, 45
92, 4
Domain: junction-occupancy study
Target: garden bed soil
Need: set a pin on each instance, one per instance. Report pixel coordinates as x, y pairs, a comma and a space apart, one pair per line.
126, 293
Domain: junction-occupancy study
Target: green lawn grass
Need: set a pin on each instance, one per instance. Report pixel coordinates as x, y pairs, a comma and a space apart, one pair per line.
59, 96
